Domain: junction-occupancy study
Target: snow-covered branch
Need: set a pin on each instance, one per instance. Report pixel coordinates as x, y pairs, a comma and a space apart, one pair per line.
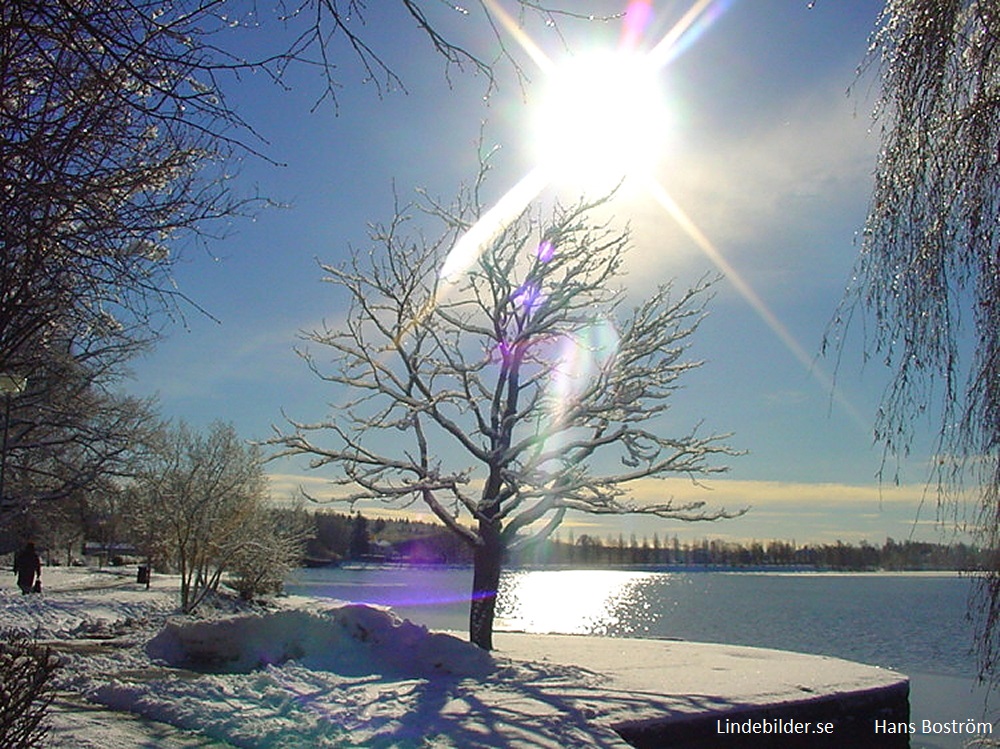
524, 380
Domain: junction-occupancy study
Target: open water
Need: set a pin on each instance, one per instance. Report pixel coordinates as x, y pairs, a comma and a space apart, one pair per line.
909, 622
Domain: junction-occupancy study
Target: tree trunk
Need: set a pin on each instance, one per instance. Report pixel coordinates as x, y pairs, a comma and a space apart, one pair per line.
488, 561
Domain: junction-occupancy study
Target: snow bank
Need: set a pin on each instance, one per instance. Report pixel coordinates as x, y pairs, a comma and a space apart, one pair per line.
341, 675
349, 639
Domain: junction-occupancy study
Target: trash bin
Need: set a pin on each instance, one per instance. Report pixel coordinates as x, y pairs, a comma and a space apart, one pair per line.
142, 577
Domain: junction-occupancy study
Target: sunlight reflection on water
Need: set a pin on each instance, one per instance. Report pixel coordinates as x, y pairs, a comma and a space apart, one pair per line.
571, 601
911, 623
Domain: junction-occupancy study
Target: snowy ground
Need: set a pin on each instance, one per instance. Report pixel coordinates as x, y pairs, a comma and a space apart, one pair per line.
298, 674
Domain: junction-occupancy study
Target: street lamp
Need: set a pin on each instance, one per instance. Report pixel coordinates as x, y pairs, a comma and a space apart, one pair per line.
9, 385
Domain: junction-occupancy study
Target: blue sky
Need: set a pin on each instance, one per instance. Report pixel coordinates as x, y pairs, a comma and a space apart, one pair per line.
768, 156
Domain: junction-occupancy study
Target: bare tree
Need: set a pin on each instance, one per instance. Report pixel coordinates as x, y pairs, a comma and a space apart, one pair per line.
928, 274
107, 143
111, 149
277, 545
201, 502
117, 140
509, 397
70, 434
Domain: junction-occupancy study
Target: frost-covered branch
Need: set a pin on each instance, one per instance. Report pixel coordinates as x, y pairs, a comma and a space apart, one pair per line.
523, 382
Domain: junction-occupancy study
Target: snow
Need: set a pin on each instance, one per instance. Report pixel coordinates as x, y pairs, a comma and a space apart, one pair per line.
302, 672
347, 639
299, 673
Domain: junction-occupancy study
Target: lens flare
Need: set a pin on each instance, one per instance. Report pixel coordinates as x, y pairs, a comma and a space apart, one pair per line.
546, 251
581, 357
609, 119
543, 61
661, 196
528, 298
637, 17
469, 246
695, 22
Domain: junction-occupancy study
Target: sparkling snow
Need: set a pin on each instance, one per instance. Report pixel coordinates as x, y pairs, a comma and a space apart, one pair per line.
299, 673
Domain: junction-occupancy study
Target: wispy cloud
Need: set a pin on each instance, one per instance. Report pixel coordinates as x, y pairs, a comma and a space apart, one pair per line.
225, 355
761, 187
758, 493
802, 511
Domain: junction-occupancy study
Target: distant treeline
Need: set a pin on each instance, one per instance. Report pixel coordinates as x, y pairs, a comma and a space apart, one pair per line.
354, 537
891, 555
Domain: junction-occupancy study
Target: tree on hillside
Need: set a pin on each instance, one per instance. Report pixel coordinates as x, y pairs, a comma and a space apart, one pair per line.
360, 538
509, 397
928, 274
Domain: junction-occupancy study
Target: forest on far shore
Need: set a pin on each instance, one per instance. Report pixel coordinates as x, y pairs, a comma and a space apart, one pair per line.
342, 537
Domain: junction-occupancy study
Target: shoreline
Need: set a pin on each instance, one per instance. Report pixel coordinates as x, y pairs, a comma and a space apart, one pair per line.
594, 683
696, 568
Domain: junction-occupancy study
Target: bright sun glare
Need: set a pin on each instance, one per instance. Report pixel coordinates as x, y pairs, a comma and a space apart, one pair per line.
602, 118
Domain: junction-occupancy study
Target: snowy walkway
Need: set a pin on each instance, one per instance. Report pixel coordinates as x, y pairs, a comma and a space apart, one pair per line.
75, 723
659, 691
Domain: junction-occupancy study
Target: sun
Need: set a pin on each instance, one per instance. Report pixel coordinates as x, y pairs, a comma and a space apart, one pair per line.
601, 118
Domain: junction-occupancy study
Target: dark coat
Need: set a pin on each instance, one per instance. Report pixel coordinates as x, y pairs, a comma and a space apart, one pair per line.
27, 567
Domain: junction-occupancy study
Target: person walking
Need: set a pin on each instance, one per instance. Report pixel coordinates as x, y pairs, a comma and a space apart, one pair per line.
28, 568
